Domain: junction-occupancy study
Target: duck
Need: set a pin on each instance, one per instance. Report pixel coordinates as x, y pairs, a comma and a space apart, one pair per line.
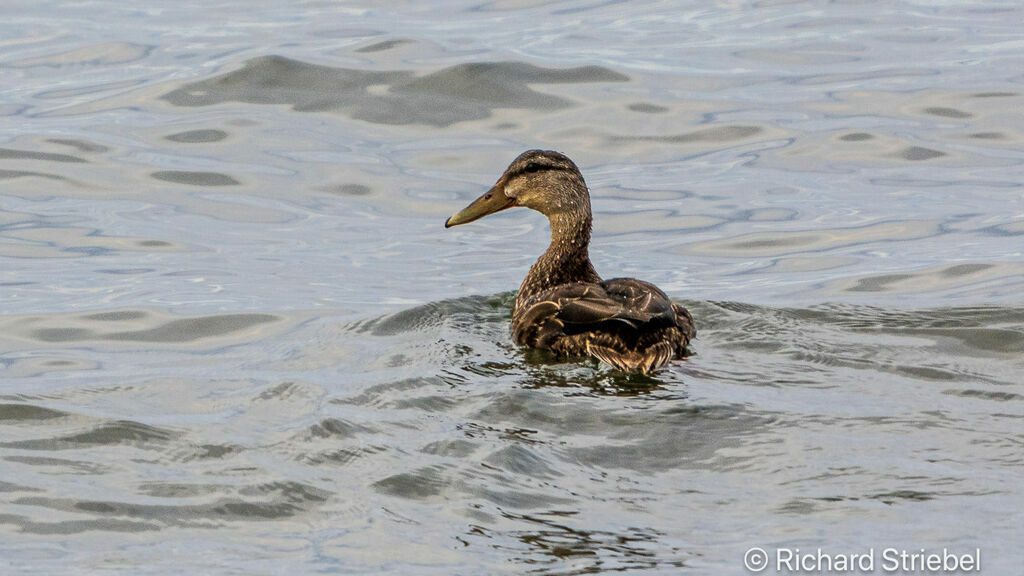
563, 305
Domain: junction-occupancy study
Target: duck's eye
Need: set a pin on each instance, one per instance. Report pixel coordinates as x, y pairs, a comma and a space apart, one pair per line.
532, 167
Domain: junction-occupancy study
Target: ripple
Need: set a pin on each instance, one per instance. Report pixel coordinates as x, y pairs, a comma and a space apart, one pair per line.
551, 541
422, 484
896, 496
650, 221
384, 45
521, 460
715, 134
260, 502
39, 365
62, 466
946, 112
16, 412
941, 278
856, 137
996, 395
455, 448
812, 55
931, 345
348, 189
860, 77
995, 94
83, 146
104, 54
43, 241
195, 178
672, 436
9, 487
11, 154
202, 136
113, 433
12, 174
454, 94
802, 241
466, 312
340, 456
337, 428
1008, 229
69, 527
188, 330
919, 153
116, 316
136, 326
201, 452
647, 108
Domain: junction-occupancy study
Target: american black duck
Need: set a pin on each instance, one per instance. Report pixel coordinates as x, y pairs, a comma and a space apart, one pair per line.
563, 305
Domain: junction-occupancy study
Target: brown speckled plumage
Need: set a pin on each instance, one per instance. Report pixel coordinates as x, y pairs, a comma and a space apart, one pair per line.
563, 305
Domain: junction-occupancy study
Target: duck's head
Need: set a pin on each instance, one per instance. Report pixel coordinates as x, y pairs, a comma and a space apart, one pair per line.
544, 180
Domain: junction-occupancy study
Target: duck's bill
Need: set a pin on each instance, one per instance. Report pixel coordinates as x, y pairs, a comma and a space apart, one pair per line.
492, 201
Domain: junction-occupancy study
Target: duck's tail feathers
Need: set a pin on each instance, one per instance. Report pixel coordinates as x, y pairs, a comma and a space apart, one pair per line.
643, 361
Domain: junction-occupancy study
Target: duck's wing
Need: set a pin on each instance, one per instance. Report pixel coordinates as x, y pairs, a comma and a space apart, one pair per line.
684, 321
648, 298
626, 301
625, 322
570, 309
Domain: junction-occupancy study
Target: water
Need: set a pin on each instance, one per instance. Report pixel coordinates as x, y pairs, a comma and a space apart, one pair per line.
235, 338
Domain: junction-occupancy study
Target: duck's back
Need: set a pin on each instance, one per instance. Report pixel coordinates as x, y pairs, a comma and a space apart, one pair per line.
625, 322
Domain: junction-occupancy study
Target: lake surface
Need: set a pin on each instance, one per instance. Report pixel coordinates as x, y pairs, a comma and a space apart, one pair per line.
236, 339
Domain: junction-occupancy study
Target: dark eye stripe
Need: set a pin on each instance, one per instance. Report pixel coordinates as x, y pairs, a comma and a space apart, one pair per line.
532, 167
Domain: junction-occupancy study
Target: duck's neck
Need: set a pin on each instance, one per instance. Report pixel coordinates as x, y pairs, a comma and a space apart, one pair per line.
566, 260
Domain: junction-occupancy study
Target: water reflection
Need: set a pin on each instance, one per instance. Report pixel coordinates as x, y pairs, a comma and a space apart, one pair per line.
105, 54
553, 543
455, 94
234, 339
138, 327
10, 154
201, 136
259, 502
769, 244
195, 178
